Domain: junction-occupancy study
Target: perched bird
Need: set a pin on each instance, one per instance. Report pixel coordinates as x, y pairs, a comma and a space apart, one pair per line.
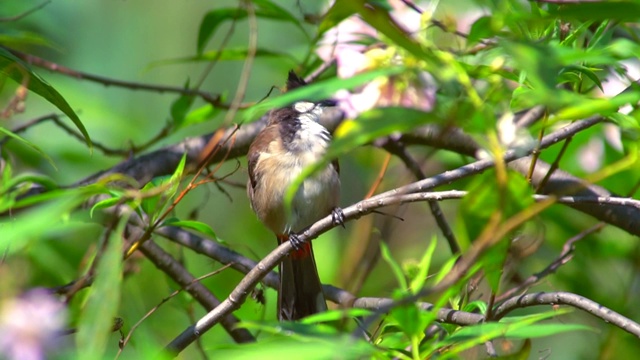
292, 140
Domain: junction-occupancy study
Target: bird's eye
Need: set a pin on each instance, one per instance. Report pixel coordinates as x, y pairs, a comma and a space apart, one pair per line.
303, 106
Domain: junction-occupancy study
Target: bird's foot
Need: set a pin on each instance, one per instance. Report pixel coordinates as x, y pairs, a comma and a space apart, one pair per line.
337, 216
295, 241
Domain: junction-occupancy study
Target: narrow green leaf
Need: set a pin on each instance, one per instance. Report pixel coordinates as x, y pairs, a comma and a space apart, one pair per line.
336, 315
29, 144
338, 12
199, 115
395, 267
376, 123
193, 225
417, 283
180, 107
151, 204
478, 305
270, 10
46, 182
212, 20
604, 107
106, 203
29, 226
380, 19
542, 330
227, 54
320, 90
103, 299
20, 72
586, 72
176, 177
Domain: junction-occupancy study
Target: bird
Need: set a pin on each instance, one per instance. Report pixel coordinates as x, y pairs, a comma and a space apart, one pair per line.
292, 140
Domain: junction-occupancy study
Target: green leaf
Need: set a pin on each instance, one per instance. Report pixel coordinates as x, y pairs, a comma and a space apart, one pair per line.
479, 305
621, 11
152, 205
106, 203
417, 283
380, 19
29, 144
395, 267
193, 225
543, 330
336, 315
17, 70
512, 327
481, 29
338, 12
377, 123
199, 115
176, 177
270, 10
265, 9
27, 179
320, 90
288, 345
409, 318
227, 54
180, 107
212, 20
586, 72
96, 319
540, 62
605, 107
29, 226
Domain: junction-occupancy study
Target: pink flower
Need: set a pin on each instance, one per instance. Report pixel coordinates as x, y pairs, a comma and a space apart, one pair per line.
30, 325
345, 45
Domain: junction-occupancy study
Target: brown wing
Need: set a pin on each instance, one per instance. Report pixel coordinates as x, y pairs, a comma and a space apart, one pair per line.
336, 165
259, 145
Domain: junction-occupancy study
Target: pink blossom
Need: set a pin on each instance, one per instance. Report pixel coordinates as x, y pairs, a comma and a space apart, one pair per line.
30, 325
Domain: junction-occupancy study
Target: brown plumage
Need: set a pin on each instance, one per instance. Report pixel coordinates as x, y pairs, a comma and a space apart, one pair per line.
291, 141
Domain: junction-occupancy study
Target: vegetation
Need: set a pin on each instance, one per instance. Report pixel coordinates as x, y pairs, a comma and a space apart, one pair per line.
489, 168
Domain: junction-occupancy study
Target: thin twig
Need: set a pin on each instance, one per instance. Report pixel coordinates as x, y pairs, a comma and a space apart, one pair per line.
49, 65
566, 298
26, 13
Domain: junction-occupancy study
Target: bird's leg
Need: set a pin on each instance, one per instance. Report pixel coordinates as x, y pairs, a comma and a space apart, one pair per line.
337, 216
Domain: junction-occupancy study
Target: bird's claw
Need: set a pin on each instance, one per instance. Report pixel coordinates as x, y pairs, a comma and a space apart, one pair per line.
295, 241
337, 216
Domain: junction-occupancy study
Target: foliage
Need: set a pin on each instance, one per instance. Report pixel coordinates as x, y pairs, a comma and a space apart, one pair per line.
456, 90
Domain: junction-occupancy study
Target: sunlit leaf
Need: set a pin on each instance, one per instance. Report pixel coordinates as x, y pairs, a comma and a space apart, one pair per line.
393, 264
423, 270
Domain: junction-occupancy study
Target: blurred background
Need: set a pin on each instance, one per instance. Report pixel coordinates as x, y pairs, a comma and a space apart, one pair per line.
129, 40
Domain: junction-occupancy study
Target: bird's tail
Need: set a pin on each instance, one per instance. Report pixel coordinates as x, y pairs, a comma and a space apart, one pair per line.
300, 292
